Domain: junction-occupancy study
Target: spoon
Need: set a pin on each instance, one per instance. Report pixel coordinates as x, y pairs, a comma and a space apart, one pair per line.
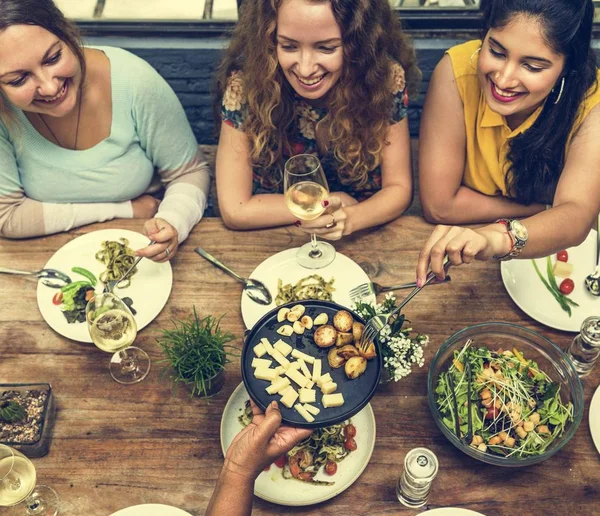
50, 277
592, 282
256, 290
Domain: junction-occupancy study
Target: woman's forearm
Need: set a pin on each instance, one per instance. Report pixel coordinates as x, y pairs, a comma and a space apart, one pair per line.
468, 207
260, 211
232, 496
385, 205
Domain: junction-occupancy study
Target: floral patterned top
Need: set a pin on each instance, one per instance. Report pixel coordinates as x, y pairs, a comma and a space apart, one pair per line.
233, 108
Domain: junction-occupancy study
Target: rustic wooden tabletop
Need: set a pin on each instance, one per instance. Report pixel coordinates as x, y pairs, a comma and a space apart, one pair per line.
115, 446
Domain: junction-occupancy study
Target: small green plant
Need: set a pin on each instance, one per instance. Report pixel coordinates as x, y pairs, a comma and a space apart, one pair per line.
11, 412
197, 350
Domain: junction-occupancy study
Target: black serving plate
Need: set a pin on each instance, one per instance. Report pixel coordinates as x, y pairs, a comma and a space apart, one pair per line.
357, 393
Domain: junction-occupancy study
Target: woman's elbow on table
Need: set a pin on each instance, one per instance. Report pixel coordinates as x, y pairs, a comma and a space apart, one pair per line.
234, 219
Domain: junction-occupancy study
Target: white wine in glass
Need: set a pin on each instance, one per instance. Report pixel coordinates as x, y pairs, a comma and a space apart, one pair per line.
113, 329
306, 188
17, 485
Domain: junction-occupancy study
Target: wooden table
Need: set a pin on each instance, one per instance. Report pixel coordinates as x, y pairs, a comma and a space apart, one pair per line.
116, 446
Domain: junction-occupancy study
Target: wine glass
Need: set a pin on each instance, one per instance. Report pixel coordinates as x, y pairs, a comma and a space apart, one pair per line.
306, 188
113, 329
17, 484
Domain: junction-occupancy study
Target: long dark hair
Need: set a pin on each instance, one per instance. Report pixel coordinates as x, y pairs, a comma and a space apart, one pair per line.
537, 156
45, 14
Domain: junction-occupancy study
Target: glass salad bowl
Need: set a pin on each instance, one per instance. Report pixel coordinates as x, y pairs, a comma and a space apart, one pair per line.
526, 398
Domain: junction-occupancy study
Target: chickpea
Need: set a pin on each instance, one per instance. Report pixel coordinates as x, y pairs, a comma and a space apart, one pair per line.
494, 440
482, 447
528, 426
477, 440
485, 394
534, 418
503, 436
510, 442
542, 429
487, 402
498, 403
521, 432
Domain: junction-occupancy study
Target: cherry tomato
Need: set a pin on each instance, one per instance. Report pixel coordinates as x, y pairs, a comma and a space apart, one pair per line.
562, 256
349, 431
566, 286
280, 461
331, 468
57, 299
350, 444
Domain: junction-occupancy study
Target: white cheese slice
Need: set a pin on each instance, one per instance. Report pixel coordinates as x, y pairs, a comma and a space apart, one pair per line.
307, 358
304, 413
259, 349
279, 385
261, 362
294, 365
289, 396
263, 373
280, 369
308, 396
316, 374
309, 385
297, 377
326, 378
312, 409
283, 347
328, 388
278, 357
304, 369
333, 400
265, 342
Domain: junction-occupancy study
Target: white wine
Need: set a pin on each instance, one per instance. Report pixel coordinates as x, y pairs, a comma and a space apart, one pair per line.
304, 199
113, 330
18, 483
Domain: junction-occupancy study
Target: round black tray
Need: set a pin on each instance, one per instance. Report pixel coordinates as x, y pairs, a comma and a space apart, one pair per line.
357, 393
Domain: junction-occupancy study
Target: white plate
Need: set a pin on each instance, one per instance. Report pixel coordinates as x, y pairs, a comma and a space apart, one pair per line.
347, 273
595, 418
150, 286
531, 296
450, 511
272, 487
151, 509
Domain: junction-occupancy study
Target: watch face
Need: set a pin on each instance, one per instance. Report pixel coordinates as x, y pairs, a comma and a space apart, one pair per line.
519, 229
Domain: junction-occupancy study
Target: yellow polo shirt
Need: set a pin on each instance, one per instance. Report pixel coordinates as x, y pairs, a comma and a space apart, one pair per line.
487, 132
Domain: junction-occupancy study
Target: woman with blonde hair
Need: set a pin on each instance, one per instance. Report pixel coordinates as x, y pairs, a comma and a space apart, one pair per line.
324, 77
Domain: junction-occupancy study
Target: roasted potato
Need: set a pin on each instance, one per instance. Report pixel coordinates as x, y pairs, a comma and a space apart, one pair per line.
298, 328
367, 350
355, 366
306, 321
343, 320
343, 339
286, 330
357, 330
322, 318
348, 351
325, 336
281, 315
335, 359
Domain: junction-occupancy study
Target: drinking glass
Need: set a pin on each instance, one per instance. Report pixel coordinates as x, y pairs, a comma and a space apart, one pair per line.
305, 189
113, 329
17, 484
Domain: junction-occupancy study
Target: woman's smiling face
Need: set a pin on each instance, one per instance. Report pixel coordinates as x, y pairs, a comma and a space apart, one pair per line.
38, 72
517, 69
309, 47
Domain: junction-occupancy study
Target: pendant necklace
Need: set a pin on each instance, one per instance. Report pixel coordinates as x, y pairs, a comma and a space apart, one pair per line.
76, 127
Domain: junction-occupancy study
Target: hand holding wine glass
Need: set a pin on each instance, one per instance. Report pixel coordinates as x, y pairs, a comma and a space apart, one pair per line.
306, 188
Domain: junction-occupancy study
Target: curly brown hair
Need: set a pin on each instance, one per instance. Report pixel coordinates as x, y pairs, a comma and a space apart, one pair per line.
360, 105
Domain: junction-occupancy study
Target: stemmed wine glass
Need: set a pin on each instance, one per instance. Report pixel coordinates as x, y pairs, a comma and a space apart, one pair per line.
17, 484
306, 188
113, 329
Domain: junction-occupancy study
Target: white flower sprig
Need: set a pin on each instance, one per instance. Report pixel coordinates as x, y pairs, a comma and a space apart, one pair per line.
400, 350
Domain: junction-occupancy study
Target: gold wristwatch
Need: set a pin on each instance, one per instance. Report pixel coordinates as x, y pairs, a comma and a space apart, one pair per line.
518, 234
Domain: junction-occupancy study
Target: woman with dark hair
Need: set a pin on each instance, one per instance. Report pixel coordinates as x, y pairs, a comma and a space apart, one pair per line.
325, 77
510, 127
87, 133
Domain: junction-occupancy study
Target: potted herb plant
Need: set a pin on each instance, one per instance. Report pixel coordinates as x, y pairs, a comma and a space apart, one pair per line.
197, 351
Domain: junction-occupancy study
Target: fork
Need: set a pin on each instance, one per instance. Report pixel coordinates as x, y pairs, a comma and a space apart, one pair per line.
378, 322
111, 284
367, 289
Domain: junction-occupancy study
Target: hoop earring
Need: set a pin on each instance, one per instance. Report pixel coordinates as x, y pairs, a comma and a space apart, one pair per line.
562, 85
473, 55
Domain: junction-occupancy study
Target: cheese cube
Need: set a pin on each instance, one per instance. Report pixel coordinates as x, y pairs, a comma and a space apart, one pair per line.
328, 388
279, 386
283, 347
259, 349
309, 385
308, 396
280, 369
263, 373
304, 413
326, 378
311, 409
294, 365
278, 357
307, 358
261, 362
316, 374
265, 342
333, 400
289, 396
304, 369
297, 377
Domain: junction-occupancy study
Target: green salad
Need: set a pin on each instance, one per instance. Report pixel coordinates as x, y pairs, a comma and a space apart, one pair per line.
500, 402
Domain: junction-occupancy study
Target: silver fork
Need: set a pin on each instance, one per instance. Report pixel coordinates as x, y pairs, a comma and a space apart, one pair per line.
378, 322
366, 289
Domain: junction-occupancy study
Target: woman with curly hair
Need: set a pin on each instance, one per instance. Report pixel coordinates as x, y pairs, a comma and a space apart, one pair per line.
325, 77
511, 127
